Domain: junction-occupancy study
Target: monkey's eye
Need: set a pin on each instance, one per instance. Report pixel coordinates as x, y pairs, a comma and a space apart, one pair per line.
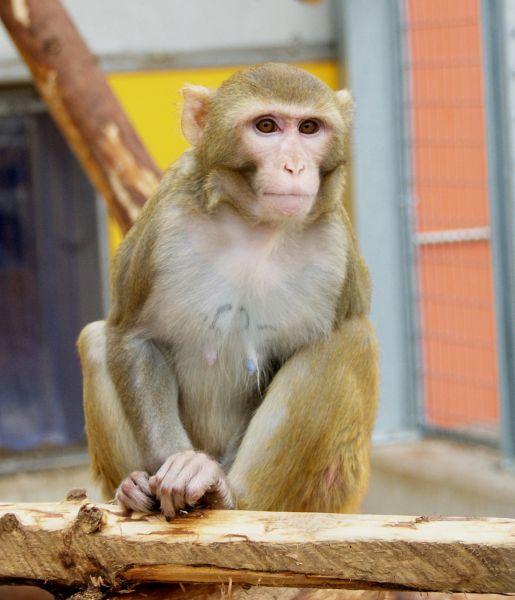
309, 126
266, 125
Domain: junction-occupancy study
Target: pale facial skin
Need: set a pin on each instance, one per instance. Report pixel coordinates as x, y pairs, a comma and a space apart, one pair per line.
287, 145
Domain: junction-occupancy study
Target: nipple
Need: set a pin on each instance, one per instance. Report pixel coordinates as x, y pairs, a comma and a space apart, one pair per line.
251, 366
211, 357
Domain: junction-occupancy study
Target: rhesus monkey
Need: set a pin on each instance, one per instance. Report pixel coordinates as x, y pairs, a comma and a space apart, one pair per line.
237, 365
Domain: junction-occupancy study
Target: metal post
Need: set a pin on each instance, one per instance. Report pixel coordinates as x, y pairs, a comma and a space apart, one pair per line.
496, 78
371, 47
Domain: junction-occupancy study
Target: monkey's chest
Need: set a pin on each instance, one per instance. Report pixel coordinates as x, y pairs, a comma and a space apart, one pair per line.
236, 308
232, 307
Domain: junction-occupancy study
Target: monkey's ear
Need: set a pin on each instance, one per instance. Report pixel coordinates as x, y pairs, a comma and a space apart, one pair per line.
193, 120
346, 104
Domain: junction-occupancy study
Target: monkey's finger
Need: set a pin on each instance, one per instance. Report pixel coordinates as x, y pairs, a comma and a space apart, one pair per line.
178, 493
138, 505
129, 495
141, 479
219, 493
168, 490
179, 463
224, 494
167, 505
206, 480
178, 480
171, 492
175, 462
197, 487
156, 479
202, 470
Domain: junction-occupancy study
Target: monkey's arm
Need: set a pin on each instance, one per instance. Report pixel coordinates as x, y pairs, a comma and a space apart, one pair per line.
307, 447
146, 384
147, 390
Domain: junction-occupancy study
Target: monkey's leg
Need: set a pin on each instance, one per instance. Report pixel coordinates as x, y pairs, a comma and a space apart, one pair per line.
130, 406
134, 428
112, 446
307, 447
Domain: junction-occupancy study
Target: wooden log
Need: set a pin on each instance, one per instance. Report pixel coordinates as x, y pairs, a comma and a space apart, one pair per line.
75, 544
81, 102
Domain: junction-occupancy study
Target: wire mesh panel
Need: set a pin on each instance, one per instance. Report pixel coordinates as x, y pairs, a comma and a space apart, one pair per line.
445, 105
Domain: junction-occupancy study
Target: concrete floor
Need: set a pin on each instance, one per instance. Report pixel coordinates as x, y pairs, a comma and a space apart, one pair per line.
422, 477
46, 485
440, 478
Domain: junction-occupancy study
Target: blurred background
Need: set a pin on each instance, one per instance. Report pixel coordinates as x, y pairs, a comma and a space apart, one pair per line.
430, 195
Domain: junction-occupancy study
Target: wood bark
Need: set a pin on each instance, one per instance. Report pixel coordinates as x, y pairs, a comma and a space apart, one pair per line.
82, 104
76, 544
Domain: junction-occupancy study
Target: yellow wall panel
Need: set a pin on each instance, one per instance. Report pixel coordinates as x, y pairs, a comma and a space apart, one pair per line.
152, 100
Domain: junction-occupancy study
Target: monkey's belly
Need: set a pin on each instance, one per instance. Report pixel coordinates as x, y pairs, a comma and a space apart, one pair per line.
223, 369
232, 310
216, 401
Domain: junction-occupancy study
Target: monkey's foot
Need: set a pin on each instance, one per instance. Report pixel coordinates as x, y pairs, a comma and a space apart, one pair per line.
187, 477
134, 493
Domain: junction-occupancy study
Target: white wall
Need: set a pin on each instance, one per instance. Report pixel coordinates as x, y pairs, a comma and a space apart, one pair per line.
169, 27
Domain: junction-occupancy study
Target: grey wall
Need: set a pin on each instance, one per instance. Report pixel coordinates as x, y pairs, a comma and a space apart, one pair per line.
180, 33
372, 42
509, 36
498, 21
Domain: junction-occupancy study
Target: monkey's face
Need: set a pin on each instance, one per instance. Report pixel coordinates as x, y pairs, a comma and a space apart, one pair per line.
267, 139
285, 146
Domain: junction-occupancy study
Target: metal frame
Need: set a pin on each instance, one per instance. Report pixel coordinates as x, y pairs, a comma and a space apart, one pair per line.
408, 217
496, 76
374, 64
374, 53
15, 71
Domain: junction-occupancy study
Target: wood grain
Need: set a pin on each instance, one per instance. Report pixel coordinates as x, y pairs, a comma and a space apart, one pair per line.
76, 544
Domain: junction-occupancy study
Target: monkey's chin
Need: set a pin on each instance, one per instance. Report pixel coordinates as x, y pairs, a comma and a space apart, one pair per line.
288, 206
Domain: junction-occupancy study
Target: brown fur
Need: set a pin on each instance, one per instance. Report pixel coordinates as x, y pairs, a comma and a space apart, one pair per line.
322, 398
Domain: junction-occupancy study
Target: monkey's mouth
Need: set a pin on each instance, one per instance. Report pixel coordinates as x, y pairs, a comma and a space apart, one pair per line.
289, 204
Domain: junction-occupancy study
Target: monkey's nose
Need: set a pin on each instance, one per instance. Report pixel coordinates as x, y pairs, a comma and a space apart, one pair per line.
294, 168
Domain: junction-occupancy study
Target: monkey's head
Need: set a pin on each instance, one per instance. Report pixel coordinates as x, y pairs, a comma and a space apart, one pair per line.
268, 140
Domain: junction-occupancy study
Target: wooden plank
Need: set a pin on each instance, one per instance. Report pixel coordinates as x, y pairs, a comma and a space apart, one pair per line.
82, 103
76, 543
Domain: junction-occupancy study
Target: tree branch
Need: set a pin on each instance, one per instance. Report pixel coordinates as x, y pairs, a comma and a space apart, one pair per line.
82, 104
78, 544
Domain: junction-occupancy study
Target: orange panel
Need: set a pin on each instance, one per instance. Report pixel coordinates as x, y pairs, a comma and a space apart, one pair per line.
447, 44
463, 165
443, 207
451, 189
452, 124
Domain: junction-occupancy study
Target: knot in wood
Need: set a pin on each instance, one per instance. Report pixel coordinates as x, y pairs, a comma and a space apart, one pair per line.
89, 594
52, 46
76, 494
9, 523
89, 519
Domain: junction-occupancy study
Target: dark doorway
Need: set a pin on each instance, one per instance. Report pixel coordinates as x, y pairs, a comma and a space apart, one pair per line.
50, 283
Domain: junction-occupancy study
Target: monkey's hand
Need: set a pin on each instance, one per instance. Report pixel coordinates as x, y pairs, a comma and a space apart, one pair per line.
187, 477
134, 493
